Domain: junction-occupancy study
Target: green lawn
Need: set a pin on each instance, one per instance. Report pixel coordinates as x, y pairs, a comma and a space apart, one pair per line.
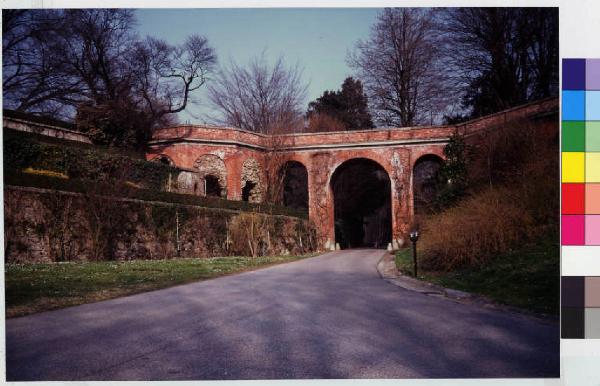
34, 288
526, 278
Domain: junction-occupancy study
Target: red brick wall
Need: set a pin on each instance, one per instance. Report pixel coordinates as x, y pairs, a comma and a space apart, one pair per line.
395, 149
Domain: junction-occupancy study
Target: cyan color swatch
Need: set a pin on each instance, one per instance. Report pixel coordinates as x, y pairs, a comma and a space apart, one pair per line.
592, 105
573, 105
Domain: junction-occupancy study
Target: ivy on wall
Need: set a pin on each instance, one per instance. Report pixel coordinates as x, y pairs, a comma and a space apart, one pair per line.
86, 163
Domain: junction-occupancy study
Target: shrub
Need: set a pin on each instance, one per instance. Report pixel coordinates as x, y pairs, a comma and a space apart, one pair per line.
470, 233
495, 219
512, 197
250, 234
306, 236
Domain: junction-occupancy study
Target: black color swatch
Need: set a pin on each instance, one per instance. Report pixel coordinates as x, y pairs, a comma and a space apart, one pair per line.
572, 324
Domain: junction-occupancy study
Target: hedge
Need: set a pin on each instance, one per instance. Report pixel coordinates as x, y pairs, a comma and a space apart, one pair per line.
44, 139
82, 162
17, 178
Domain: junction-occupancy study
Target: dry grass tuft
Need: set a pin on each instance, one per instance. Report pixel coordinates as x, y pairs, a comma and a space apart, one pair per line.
43, 172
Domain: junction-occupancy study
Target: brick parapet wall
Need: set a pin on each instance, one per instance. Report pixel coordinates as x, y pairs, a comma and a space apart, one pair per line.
420, 134
44, 129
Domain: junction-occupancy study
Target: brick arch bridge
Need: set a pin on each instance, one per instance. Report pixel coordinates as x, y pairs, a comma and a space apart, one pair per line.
396, 150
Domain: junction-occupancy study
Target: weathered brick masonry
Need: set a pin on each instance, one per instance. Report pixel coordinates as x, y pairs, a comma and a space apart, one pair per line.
395, 149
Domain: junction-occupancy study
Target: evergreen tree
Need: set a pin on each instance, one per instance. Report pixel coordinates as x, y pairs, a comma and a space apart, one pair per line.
348, 106
453, 174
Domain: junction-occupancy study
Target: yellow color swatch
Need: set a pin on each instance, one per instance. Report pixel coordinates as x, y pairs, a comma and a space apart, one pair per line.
573, 167
592, 167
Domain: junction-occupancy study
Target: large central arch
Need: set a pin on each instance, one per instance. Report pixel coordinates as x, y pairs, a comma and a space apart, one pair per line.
362, 204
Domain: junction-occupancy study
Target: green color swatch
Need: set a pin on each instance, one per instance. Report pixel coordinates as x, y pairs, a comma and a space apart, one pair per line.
573, 135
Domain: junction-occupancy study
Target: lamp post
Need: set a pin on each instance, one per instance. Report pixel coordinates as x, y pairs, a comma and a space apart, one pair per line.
414, 237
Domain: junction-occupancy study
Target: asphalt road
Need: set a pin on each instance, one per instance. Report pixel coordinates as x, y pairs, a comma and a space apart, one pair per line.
329, 316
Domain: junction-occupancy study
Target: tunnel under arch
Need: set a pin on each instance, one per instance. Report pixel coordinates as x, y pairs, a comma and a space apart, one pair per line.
362, 204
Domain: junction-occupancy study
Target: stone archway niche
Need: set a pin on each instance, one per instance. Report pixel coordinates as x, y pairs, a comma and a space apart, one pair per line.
212, 174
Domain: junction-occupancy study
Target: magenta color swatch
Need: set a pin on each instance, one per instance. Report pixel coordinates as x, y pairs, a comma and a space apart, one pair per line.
573, 230
592, 230
592, 74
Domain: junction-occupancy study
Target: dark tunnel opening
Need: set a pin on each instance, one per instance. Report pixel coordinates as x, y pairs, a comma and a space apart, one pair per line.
212, 186
295, 185
247, 190
362, 204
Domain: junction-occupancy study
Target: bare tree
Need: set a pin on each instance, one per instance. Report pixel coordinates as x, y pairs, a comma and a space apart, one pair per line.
166, 75
399, 65
264, 99
32, 72
503, 56
259, 97
89, 61
159, 79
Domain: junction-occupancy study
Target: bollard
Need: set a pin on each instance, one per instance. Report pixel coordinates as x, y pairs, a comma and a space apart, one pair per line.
414, 237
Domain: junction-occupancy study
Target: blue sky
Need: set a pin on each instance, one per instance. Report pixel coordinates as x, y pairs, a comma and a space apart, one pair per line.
317, 39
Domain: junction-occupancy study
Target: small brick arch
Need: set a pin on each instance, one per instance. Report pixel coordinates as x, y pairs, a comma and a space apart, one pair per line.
212, 165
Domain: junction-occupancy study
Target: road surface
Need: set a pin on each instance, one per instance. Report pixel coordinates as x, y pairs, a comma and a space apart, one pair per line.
330, 316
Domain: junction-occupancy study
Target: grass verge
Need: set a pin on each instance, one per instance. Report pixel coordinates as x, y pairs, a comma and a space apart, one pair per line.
527, 277
32, 288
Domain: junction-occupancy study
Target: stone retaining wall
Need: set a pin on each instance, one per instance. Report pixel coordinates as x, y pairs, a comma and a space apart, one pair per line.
45, 226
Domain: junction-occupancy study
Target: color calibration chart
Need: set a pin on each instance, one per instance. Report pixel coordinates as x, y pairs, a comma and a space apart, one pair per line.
580, 209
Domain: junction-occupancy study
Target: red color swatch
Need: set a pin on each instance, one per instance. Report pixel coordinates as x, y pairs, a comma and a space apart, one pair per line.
573, 198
